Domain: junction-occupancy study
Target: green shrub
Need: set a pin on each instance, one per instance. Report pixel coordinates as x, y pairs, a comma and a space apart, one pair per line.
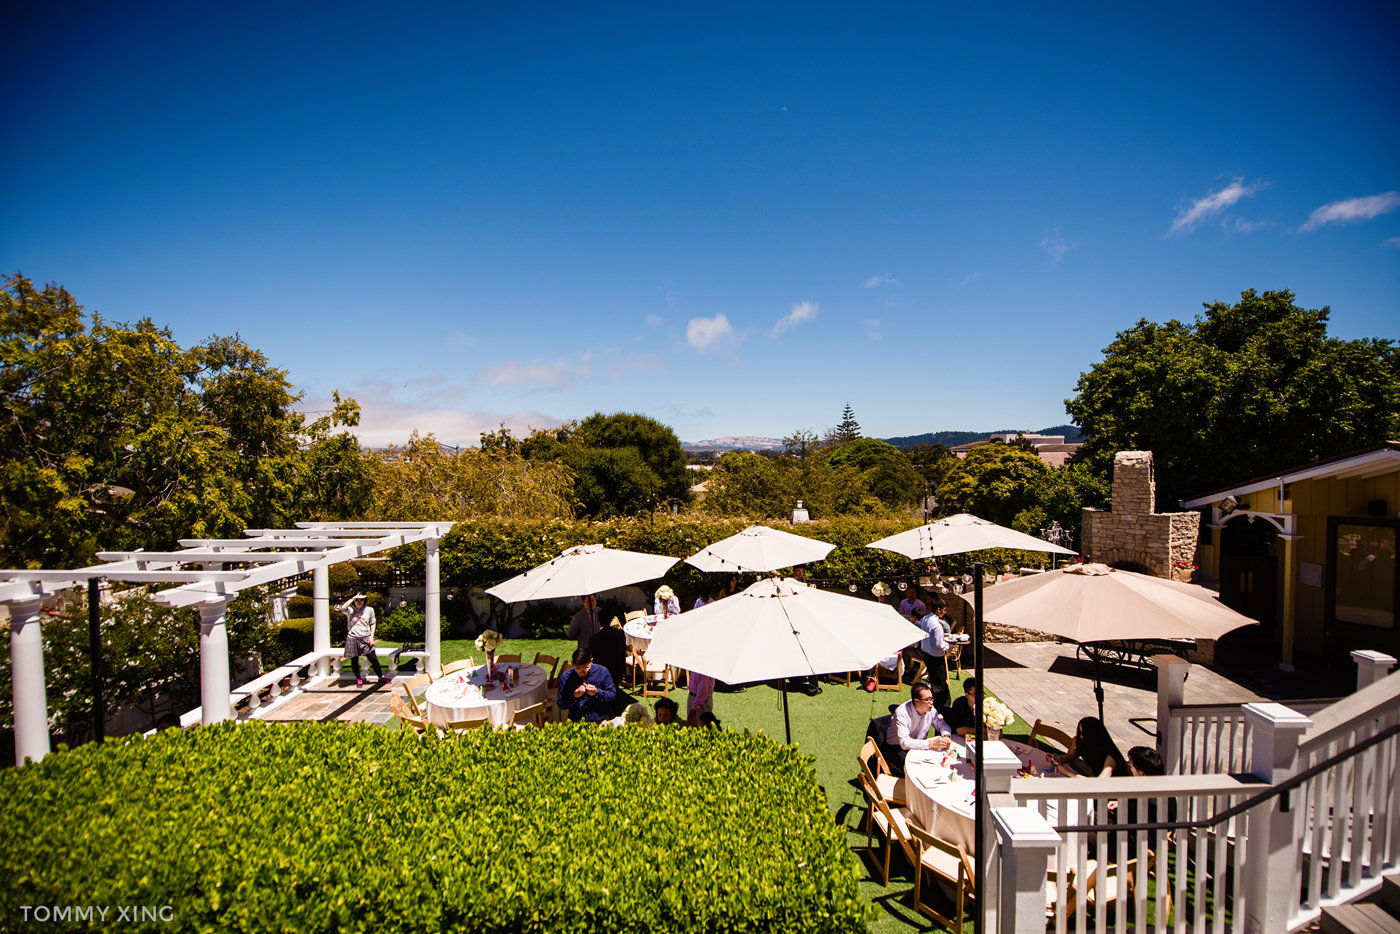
300, 606
335, 827
294, 639
402, 624
545, 620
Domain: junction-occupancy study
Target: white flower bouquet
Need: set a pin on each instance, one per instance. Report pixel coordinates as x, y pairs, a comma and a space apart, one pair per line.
995, 714
489, 640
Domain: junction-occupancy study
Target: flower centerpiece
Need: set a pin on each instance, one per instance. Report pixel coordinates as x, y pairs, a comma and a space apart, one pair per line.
1184, 570
880, 590
488, 642
996, 716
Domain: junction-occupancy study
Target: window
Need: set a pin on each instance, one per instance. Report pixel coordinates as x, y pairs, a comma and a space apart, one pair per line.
1361, 570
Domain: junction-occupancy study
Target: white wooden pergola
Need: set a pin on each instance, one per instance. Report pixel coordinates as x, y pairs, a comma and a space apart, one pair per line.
198, 570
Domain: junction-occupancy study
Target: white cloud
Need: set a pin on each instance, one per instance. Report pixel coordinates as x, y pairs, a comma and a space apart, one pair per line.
801, 313
1393, 241
620, 366
969, 279
706, 334
461, 339
1352, 210
539, 375
877, 281
872, 328
1214, 203
385, 420
1054, 245
654, 321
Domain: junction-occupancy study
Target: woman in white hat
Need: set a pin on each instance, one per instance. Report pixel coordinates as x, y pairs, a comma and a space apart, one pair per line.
359, 636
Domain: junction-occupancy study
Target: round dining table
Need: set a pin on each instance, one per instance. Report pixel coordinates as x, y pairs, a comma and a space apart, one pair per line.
467, 695
640, 630
939, 787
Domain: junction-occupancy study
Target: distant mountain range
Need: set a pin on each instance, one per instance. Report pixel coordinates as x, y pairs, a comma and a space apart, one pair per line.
948, 438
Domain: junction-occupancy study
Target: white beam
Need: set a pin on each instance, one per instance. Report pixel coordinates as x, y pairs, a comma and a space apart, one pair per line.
195, 556
170, 576
298, 543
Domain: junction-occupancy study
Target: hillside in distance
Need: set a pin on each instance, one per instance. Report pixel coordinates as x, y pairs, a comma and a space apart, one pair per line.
951, 438
948, 438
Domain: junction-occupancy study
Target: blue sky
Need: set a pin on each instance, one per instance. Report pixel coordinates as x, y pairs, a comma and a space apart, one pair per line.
735, 218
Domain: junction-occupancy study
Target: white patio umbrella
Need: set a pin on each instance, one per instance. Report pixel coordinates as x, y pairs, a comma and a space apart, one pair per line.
1096, 603
960, 533
781, 628
582, 570
1093, 603
759, 548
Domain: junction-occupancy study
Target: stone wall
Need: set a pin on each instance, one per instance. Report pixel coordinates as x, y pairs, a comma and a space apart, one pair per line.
1131, 532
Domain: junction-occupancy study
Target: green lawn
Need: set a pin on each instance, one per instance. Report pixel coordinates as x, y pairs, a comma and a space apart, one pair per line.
829, 727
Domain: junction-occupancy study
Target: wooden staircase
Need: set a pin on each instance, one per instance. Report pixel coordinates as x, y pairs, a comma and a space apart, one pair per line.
1379, 914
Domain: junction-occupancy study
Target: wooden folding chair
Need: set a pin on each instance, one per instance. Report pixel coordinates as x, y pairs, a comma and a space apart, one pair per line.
407, 720
876, 771
529, 716
633, 614
657, 680
460, 664
459, 726
513, 658
947, 862
1046, 731
887, 680
636, 668
411, 688
892, 824
552, 672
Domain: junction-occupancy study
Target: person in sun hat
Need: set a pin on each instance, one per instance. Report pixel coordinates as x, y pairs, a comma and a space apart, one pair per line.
359, 636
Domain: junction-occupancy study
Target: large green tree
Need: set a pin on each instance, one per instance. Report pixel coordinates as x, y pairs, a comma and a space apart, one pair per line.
114, 436
885, 472
1243, 390
995, 481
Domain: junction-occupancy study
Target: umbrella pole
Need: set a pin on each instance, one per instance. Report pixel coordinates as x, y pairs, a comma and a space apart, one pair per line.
979, 919
787, 727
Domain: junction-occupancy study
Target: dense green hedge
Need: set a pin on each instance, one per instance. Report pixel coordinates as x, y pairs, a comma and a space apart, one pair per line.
335, 827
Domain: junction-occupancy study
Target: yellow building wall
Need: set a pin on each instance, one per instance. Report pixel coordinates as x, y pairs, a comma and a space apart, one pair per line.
1313, 501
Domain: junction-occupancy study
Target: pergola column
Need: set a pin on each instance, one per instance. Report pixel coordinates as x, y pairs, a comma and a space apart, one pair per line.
214, 683
321, 615
27, 681
432, 616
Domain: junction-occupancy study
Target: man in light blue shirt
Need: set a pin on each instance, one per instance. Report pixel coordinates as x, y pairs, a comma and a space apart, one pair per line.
935, 648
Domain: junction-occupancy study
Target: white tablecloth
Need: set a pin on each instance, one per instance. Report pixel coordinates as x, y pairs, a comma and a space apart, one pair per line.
939, 789
463, 695
640, 630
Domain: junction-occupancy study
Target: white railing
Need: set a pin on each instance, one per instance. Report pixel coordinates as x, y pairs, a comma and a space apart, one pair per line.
1317, 825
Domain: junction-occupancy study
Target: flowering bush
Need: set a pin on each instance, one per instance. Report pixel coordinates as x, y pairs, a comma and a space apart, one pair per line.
489, 640
995, 714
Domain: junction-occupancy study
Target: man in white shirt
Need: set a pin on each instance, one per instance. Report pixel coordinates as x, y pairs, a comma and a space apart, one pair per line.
916, 725
934, 648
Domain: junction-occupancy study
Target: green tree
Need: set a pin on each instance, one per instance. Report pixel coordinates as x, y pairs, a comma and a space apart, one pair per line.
424, 481
745, 483
995, 482
114, 436
655, 443
849, 429
1243, 390
884, 472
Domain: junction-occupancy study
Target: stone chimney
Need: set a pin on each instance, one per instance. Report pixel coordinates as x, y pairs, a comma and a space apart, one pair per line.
1131, 534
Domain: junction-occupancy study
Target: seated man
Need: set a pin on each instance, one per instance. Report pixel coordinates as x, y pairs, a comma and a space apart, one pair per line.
667, 711
586, 690
962, 716
916, 725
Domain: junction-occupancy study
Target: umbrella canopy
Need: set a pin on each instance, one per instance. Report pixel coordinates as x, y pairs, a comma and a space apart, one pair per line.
759, 548
960, 533
1093, 603
583, 569
781, 629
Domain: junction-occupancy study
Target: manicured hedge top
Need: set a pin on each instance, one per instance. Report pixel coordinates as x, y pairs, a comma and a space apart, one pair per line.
321, 827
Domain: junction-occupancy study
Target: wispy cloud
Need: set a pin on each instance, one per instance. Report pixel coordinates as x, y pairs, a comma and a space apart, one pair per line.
872, 328
1212, 204
1393, 241
800, 313
385, 419
706, 334
875, 282
1054, 244
461, 339
674, 411
539, 375
1352, 210
620, 366
969, 278
654, 321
